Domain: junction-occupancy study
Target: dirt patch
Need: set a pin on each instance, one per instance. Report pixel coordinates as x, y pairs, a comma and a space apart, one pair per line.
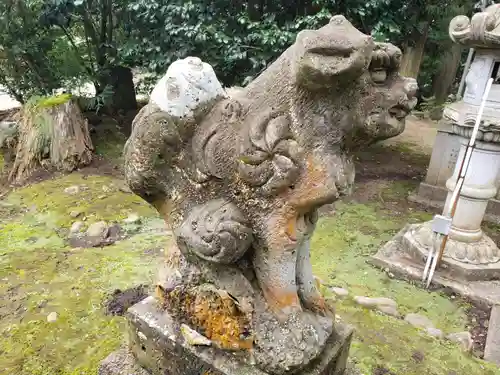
390, 162
120, 301
479, 318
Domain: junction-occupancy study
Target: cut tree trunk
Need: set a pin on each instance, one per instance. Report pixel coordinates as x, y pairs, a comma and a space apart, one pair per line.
53, 137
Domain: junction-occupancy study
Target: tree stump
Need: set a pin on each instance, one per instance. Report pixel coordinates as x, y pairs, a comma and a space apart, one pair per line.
52, 134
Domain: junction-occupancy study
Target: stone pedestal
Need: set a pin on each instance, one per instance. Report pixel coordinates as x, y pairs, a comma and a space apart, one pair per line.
404, 256
157, 347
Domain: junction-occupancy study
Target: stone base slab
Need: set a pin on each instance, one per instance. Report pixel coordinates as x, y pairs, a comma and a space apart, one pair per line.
395, 257
435, 196
158, 346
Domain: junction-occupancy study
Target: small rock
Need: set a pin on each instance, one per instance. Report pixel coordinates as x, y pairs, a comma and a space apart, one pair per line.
76, 227
132, 219
419, 321
194, 338
106, 189
123, 187
462, 338
434, 332
75, 214
101, 197
389, 310
382, 304
72, 190
99, 229
340, 292
52, 317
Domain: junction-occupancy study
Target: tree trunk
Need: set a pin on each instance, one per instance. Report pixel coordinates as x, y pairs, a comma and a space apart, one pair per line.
120, 80
412, 57
447, 73
445, 78
52, 136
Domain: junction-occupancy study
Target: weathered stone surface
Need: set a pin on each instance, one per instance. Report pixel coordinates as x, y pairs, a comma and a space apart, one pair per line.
240, 174
158, 344
132, 219
72, 190
492, 350
121, 362
419, 321
462, 338
99, 229
340, 292
404, 256
434, 332
382, 304
74, 214
52, 317
76, 227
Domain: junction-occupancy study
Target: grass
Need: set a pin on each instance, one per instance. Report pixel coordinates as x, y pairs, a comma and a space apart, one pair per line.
340, 248
40, 274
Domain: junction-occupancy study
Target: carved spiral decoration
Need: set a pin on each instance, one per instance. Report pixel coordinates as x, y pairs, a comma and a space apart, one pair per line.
216, 231
268, 155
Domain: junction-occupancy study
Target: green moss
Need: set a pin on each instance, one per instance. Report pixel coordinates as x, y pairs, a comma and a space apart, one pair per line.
339, 250
40, 102
387, 343
100, 198
40, 275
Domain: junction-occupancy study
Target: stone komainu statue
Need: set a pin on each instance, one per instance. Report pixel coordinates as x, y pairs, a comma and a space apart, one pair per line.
240, 174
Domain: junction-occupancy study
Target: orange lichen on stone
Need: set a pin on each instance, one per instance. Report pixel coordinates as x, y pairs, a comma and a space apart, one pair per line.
215, 314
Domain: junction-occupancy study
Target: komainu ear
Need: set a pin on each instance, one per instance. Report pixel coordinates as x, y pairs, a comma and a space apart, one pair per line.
216, 231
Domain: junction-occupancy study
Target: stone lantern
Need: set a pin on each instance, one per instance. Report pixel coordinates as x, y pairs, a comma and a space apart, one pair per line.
471, 261
482, 33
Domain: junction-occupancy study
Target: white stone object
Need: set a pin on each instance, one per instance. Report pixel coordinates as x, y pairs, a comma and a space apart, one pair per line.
76, 227
188, 84
99, 229
462, 338
132, 219
419, 321
52, 317
340, 292
193, 337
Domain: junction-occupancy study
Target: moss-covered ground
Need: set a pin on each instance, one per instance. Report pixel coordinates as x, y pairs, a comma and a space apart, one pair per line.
41, 274
383, 344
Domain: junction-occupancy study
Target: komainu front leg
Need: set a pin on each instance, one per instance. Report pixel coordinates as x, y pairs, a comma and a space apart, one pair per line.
275, 263
306, 283
275, 271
